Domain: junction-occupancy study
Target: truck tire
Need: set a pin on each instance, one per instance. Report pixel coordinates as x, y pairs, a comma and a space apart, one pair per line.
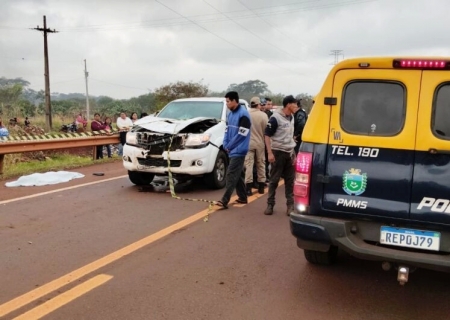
216, 179
140, 178
322, 258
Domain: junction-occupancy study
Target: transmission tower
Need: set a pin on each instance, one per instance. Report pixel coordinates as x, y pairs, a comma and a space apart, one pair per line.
337, 54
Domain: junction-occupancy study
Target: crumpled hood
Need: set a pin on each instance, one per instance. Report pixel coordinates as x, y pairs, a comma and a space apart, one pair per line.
165, 125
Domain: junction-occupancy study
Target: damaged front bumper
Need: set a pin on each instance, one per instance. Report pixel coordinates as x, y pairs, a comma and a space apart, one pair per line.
186, 161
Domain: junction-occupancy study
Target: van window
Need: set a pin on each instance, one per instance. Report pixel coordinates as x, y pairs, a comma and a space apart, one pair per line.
373, 108
441, 121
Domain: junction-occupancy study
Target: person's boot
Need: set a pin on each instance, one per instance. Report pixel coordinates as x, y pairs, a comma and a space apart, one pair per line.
261, 186
269, 210
249, 189
290, 209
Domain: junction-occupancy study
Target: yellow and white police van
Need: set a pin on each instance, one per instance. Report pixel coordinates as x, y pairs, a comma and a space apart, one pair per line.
373, 171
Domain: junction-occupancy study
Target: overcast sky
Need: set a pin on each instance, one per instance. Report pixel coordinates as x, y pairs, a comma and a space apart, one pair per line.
135, 46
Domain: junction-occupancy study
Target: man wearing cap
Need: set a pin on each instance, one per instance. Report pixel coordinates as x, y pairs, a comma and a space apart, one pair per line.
279, 138
255, 155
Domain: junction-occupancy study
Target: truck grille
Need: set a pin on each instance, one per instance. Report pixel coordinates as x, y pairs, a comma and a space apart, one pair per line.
158, 162
157, 143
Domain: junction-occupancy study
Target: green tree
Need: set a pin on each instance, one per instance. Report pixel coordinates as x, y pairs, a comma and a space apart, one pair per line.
4, 82
307, 101
180, 89
65, 109
27, 108
9, 99
145, 103
250, 88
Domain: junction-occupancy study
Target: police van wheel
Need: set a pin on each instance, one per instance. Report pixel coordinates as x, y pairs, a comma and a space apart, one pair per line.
140, 178
216, 179
322, 258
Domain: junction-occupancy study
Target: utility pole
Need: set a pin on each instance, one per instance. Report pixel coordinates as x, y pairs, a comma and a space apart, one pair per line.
336, 54
86, 74
48, 107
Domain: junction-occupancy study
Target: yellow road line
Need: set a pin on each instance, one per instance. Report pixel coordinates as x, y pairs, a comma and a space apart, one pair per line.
65, 298
93, 266
56, 284
60, 190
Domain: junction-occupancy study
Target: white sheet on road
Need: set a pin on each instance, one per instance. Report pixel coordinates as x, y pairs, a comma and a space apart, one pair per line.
43, 179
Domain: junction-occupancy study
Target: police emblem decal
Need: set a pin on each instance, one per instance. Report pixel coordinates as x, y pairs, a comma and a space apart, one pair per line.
354, 182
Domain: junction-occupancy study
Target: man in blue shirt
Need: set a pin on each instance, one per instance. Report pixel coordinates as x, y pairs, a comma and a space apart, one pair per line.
235, 143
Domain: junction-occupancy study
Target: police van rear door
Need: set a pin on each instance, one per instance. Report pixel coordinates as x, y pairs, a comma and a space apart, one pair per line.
371, 142
431, 181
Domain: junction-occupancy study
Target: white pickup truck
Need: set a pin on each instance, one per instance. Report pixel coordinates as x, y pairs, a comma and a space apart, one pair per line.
194, 129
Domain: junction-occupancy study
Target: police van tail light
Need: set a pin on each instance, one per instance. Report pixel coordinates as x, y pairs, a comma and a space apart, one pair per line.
434, 64
302, 180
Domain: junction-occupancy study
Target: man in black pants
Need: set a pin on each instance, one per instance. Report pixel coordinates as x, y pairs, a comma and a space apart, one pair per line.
236, 143
279, 137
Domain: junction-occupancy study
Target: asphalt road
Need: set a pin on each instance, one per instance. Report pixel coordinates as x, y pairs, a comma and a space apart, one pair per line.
101, 249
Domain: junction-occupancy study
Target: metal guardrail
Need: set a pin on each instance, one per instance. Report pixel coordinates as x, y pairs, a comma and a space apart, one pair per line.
30, 143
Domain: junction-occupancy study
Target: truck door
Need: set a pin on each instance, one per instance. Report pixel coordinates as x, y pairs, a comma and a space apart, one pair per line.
371, 142
431, 181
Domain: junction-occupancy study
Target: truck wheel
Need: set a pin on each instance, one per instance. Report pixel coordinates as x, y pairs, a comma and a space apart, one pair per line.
140, 178
322, 258
216, 179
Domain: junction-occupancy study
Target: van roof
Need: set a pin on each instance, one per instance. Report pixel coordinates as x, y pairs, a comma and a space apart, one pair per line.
400, 62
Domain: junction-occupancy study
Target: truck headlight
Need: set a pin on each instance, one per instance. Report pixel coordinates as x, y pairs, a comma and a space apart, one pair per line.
197, 140
132, 138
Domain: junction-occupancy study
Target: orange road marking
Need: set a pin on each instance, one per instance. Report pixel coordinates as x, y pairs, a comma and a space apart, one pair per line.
64, 280
65, 298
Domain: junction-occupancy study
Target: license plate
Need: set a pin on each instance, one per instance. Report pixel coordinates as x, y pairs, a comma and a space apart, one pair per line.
408, 238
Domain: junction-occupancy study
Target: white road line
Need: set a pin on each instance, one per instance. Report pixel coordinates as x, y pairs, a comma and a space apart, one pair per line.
60, 190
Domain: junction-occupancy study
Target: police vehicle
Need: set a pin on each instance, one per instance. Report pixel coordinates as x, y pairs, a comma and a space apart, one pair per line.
373, 171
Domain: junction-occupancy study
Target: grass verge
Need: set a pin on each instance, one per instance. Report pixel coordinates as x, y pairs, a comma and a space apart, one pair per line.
55, 162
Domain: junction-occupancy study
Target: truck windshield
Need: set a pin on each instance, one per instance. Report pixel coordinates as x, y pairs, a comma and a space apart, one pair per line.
181, 110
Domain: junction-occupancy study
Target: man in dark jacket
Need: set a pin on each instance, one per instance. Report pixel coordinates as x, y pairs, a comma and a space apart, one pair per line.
236, 143
300, 118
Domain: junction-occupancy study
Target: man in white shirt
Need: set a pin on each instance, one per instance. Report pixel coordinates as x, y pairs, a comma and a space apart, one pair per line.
123, 124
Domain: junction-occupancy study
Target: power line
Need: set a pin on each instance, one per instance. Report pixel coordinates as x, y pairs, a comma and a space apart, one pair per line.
223, 39
267, 22
169, 22
251, 32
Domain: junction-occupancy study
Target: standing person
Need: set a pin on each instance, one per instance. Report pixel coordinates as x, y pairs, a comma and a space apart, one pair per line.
108, 127
123, 124
300, 118
134, 117
235, 143
96, 125
268, 107
268, 111
255, 155
144, 114
280, 148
